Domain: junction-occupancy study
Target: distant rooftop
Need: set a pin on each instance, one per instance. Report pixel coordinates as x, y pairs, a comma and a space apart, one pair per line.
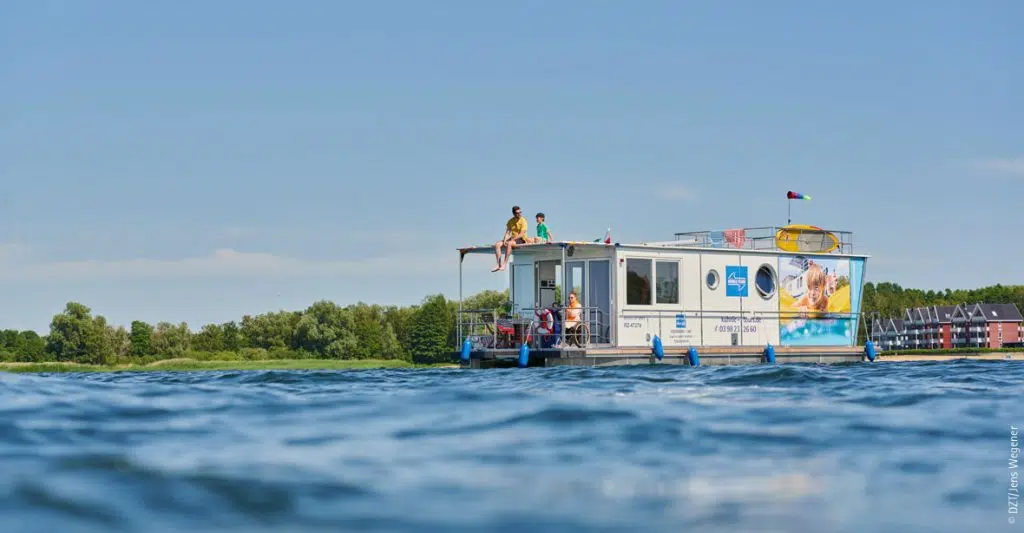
994, 312
947, 314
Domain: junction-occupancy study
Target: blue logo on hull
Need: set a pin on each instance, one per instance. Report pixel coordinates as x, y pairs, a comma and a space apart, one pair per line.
736, 281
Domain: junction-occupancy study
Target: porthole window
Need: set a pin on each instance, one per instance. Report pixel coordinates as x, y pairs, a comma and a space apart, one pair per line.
712, 279
764, 280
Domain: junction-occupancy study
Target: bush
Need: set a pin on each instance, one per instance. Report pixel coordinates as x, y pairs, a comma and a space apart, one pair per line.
253, 354
222, 355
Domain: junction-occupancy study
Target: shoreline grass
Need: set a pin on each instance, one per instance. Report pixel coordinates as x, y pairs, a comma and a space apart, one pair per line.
186, 364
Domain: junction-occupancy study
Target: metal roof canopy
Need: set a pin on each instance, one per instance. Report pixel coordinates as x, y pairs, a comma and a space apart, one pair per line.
541, 247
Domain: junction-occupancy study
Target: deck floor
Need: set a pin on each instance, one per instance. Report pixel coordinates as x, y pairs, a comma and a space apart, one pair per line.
709, 355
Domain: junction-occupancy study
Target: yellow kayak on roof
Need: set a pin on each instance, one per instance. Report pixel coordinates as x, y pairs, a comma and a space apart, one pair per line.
805, 238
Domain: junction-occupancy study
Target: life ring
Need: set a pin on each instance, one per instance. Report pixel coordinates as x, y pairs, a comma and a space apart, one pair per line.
546, 325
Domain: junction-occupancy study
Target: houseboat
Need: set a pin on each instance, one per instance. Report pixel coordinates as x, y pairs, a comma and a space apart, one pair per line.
734, 296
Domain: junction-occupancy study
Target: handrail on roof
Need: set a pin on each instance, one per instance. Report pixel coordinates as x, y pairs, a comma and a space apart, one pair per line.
752, 238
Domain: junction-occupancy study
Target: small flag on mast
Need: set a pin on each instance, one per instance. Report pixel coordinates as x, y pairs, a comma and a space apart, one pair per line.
797, 196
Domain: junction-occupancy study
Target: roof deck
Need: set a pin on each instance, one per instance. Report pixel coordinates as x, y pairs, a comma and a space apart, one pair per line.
792, 239
767, 238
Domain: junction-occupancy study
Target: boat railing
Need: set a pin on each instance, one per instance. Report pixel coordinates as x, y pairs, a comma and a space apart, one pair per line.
496, 329
754, 238
593, 328
489, 328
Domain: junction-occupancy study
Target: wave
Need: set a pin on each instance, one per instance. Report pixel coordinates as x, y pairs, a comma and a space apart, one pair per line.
653, 448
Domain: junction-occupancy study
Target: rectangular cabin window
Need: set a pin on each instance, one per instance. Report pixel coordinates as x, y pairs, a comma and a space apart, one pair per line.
638, 281
668, 282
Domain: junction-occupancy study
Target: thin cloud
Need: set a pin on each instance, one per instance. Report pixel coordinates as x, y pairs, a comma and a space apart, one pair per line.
376, 236
676, 192
1013, 166
228, 263
11, 252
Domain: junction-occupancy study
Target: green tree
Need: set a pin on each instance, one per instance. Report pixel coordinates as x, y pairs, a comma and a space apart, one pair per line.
141, 339
232, 336
488, 300
170, 340
24, 346
120, 341
9, 340
375, 340
390, 348
326, 330
78, 337
209, 339
270, 330
399, 320
431, 331
30, 347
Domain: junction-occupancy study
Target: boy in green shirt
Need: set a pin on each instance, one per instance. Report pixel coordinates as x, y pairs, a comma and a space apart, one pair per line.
543, 235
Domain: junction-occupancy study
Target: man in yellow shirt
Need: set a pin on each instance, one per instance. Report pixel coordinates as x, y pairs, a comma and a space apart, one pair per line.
515, 234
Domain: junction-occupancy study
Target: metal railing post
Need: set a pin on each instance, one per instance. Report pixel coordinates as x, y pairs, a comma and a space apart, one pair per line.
458, 341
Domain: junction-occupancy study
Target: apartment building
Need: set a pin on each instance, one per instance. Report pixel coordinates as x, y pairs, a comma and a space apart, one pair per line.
955, 326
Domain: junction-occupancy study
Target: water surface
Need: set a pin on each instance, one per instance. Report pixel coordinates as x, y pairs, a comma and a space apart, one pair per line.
868, 447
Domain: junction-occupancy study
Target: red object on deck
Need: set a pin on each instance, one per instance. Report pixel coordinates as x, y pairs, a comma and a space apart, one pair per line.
736, 237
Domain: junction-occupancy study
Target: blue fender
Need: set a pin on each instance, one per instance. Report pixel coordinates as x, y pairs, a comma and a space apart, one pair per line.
693, 356
657, 348
869, 350
769, 354
466, 348
524, 355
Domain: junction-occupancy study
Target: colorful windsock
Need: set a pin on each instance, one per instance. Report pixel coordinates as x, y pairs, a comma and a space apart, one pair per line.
797, 196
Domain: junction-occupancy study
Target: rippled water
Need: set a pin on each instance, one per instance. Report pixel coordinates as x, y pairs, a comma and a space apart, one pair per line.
866, 447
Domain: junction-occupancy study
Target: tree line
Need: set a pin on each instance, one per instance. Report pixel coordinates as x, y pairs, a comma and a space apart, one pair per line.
890, 300
423, 333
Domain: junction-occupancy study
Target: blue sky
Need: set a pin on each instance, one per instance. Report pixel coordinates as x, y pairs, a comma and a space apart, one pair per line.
197, 161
